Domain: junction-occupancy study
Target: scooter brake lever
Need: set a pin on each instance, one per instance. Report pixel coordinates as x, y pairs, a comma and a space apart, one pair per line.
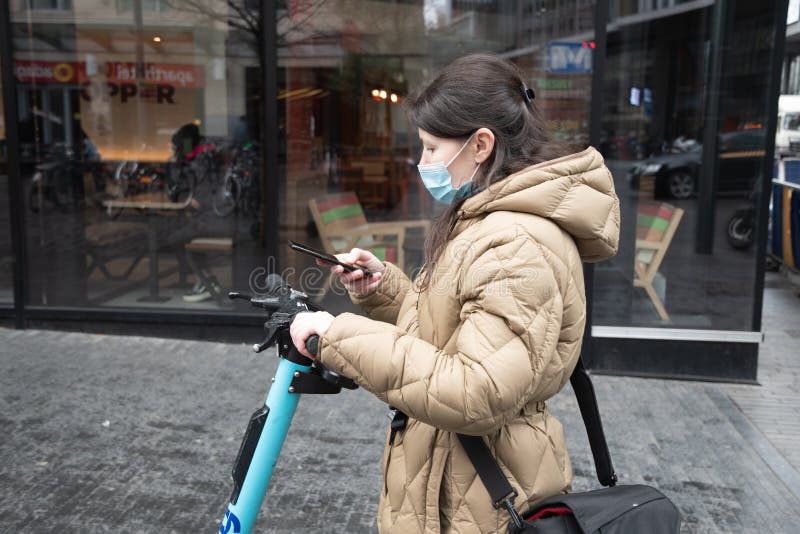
276, 322
272, 334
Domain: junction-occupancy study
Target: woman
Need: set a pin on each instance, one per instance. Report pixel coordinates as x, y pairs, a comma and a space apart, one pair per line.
492, 326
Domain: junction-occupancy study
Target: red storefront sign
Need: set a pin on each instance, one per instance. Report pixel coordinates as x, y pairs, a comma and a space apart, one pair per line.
49, 72
116, 72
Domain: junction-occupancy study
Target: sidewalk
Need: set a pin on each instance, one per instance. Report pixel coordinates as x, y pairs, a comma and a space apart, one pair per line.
126, 434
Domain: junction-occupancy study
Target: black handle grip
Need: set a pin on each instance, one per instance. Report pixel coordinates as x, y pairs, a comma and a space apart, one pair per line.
312, 344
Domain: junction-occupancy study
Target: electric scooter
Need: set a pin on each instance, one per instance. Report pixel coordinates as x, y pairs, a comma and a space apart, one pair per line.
268, 426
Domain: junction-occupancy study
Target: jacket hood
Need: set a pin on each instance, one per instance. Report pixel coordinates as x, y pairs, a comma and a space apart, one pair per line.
575, 191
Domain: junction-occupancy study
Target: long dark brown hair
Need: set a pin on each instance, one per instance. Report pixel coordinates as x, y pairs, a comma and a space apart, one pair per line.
480, 91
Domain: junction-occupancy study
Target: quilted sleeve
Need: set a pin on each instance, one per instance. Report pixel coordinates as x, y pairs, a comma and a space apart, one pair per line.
384, 303
505, 348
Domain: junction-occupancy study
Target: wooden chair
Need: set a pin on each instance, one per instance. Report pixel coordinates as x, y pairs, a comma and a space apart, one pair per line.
342, 225
656, 224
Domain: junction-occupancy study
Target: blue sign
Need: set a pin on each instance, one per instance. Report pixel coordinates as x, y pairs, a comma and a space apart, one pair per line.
575, 58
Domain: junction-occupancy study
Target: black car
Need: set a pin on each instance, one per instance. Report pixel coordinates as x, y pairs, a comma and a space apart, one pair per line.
677, 174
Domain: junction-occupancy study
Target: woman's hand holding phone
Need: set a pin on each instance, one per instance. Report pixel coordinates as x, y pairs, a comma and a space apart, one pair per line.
355, 282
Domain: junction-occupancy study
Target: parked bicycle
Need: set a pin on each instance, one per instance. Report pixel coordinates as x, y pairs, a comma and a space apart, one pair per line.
204, 163
239, 189
135, 177
58, 180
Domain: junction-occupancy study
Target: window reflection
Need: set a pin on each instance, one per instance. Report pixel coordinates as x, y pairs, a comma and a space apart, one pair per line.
140, 152
673, 270
141, 136
350, 160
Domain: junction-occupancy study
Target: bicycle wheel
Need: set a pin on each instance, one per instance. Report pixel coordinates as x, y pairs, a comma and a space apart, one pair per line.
36, 195
125, 169
182, 189
120, 184
111, 187
251, 198
62, 187
226, 196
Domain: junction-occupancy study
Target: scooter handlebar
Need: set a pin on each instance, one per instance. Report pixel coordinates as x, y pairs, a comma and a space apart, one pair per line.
312, 344
267, 303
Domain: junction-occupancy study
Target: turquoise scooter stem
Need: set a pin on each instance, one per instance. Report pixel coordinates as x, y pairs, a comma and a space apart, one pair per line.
266, 431
241, 517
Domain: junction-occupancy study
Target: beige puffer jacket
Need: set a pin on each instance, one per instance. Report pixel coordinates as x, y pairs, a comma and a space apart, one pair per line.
497, 332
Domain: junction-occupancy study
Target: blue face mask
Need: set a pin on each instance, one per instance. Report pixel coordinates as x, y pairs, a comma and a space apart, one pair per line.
439, 183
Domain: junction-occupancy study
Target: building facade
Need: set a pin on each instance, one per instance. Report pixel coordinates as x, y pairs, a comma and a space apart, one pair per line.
155, 154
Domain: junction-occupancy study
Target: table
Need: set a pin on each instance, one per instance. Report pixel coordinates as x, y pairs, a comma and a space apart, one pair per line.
151, 203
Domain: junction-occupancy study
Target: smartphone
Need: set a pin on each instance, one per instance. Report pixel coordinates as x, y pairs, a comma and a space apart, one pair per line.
328, 258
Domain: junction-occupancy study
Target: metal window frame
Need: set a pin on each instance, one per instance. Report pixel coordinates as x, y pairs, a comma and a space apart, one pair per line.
676, 334
601, 18
270, 202
765, 191
15, 194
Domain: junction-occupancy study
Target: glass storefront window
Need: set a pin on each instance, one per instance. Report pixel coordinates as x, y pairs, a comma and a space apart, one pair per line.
682, 261
139, 130
142, 164
349, 155
140, 153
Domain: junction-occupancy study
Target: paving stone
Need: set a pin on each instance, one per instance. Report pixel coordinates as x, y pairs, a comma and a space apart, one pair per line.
128, 434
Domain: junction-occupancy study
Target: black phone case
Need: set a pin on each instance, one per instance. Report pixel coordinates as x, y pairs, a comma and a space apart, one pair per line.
324, 256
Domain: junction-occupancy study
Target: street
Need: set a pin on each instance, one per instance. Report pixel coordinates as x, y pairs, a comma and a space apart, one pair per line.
127, 434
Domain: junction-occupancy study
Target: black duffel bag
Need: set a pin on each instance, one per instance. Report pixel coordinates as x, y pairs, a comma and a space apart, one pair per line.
611, 510
617, 509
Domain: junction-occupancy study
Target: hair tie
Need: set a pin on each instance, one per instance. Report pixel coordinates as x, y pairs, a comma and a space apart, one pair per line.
528, 93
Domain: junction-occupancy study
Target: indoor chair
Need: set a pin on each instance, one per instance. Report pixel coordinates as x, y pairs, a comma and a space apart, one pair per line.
656, 224
342, 225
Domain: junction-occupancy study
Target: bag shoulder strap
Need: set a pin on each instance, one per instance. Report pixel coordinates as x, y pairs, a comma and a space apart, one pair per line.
590, 412
492, 476
496, 483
